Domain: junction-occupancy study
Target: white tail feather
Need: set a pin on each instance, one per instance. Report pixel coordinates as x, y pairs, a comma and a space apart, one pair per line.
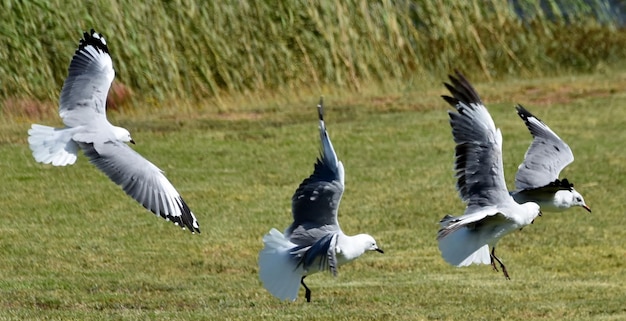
52, 145
277, 269
462, 248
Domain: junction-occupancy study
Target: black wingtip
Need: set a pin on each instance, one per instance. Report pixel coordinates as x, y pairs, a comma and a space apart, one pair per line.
320, 108
450, 100
461, 90
525, 114
187, 220
92, 38
522, 112
561, 184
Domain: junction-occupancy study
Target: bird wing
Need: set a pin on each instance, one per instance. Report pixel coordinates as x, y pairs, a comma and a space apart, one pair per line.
478, 163
485, 215
465, 240
323, 253
141, 180
546, 156
89, 78
316, 201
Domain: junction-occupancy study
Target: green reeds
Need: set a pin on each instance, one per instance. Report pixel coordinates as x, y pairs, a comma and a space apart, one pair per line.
199, 49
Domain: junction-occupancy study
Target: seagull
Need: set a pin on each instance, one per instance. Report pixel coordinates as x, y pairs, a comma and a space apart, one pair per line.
314, 242
491, 212
82, 108
537, 177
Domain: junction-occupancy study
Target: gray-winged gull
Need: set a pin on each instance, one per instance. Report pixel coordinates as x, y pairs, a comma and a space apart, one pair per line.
491, 212
82, 108
537, 177
314, 241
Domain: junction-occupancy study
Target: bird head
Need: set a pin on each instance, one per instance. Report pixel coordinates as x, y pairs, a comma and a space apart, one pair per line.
578, 200
122, 134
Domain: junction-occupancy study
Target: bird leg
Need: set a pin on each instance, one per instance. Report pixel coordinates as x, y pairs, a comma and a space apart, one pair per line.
307, 294
494, 258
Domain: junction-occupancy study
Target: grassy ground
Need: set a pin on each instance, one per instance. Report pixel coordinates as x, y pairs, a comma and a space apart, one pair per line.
73, 246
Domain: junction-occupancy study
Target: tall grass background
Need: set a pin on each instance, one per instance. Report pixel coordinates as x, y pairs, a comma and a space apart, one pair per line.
196, 50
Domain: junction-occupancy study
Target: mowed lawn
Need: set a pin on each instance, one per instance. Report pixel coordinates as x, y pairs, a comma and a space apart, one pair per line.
74, 246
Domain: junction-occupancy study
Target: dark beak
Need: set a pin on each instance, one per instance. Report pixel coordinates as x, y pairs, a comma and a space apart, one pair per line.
379, 251
132, 141
587, 208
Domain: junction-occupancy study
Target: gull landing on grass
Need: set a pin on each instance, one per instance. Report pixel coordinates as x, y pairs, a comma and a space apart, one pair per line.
314, 242
537, 177
82, 108
491, 212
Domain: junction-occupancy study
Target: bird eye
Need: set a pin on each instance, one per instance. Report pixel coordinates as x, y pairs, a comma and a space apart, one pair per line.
578, 199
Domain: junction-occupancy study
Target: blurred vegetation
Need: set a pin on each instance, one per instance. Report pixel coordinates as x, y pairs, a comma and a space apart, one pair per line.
203, 49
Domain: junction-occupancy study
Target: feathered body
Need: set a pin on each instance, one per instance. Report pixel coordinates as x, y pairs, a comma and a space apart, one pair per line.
491, 213
82, 107
314, 241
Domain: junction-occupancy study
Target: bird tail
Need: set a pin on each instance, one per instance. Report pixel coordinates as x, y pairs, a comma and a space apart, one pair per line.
462, 248
52, 145
278, 270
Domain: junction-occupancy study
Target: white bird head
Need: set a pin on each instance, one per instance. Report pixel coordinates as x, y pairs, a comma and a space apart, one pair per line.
578, 200
366, 243
122, 134
565, 199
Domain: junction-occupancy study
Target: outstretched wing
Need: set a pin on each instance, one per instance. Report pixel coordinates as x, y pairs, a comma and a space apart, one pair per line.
478, 163
89, 78
142, 181
316, 201
546, 157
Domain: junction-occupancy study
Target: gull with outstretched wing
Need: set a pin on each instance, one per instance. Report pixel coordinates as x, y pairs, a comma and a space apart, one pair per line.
314, 242
82, 107
537, 177
491, 212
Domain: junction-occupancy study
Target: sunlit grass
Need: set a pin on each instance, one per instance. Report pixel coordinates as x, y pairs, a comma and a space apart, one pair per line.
74, 246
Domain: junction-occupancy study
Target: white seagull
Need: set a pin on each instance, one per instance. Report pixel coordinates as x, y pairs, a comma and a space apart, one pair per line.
537, 177
82, 108
314, 241
491, 212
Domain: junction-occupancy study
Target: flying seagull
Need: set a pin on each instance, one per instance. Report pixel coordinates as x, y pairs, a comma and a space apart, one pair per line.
314, 242
491, 212
537, 177
82, 108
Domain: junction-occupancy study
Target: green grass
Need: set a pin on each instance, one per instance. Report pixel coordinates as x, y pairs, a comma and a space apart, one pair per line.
73, 246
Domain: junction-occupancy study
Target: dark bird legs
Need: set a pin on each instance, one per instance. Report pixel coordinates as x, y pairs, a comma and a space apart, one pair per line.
494, 258
307, 294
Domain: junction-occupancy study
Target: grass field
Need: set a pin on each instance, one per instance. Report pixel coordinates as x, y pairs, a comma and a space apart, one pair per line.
74, 246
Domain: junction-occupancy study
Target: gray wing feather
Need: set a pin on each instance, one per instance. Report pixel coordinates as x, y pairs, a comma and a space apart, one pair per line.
478, 163
142, 181
472, 221
89, 78
315, 202
546, 157
323, 252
